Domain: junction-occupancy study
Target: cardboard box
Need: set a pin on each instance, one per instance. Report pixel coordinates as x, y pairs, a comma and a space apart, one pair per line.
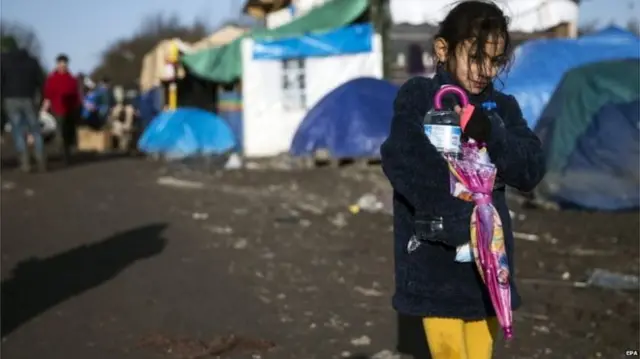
94, 140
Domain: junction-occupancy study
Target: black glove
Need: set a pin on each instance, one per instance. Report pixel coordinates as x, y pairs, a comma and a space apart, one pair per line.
479, 126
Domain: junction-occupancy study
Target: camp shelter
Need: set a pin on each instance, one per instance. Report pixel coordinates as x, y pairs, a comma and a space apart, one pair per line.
287, 70
154, 63
192, 91
540, 65
351, 121
224, 64
590, 131
283, 78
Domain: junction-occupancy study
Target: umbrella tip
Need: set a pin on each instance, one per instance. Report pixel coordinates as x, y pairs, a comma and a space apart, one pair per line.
508, 333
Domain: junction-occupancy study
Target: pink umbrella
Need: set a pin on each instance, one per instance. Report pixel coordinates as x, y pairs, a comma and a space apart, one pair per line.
472, 179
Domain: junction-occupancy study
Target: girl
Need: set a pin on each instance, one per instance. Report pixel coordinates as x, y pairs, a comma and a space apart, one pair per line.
456, 316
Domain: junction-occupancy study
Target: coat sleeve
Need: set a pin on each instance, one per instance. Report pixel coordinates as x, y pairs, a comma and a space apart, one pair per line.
39, 75
48, 88
516, 150
416, 170
75, 92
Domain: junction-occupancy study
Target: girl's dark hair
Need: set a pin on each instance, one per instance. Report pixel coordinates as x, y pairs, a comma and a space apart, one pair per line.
476, 21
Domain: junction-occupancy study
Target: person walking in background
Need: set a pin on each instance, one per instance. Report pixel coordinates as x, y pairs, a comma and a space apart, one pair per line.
97, 104
22, 79
106, 99
122, 118
62, 98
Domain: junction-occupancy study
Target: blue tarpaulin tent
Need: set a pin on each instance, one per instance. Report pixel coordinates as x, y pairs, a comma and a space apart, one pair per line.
187, 132
590, 132
351, 121
540, 64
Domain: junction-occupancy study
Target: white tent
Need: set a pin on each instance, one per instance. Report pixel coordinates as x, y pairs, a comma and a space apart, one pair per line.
525, 15
278, 93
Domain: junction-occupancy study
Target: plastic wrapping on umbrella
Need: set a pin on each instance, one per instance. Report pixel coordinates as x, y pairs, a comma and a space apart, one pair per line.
472, 179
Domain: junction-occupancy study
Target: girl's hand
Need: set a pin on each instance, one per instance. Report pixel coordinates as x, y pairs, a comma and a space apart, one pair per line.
479, 126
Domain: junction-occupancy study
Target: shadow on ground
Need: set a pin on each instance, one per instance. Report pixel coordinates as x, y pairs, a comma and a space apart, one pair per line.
38, 284
56, 163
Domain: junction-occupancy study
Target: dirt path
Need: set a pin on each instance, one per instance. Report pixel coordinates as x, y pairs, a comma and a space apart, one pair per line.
101, 261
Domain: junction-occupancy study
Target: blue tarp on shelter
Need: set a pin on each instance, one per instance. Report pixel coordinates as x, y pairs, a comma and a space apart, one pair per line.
187, 132
351, 121
540, 64
346, 40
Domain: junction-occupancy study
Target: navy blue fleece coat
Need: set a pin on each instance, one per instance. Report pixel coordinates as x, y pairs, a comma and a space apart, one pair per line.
429, 283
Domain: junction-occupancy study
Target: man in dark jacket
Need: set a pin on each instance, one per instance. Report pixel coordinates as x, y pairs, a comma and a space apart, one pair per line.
22, 79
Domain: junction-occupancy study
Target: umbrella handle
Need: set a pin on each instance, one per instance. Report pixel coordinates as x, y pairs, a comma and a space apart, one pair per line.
446, 89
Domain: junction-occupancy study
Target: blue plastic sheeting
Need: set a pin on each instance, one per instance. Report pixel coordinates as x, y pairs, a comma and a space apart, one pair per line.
96, 101
346, 40
187, 132
351, 121
540, 65
149, 105
602, 172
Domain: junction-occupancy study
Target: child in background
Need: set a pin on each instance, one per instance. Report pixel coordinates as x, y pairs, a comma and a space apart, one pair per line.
448, 298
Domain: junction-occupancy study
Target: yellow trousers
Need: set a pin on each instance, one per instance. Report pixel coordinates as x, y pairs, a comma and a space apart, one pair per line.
457, 339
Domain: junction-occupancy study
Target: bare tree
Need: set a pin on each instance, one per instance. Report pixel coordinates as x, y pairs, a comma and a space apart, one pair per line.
24, 36
633, 25
588, 28
122, 60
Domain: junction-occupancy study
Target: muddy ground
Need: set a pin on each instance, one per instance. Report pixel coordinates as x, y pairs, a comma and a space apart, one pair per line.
119, 259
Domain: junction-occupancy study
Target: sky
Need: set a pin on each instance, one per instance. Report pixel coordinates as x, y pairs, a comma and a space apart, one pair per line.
82, 29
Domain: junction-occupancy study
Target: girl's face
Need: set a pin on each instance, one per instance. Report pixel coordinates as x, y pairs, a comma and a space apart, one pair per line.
471, 74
